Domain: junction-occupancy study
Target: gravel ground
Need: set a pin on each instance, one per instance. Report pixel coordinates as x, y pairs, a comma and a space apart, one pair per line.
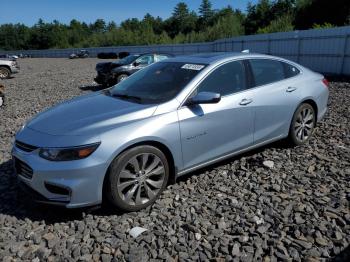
236, 210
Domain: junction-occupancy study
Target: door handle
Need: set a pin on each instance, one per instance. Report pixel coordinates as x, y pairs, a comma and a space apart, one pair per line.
291, 89
245, 101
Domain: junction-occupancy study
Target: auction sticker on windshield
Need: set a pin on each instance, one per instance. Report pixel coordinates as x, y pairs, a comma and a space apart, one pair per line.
192, 67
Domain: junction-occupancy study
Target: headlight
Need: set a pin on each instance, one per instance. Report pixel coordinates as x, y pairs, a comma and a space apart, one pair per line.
68, 154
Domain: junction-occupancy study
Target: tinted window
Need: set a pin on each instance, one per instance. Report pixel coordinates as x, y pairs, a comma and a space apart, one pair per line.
156, 83
227, 79
266, 71
127, 60
160, 57
145, 60
290, 70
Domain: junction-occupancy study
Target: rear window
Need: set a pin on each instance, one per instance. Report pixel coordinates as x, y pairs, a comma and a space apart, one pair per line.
266, 71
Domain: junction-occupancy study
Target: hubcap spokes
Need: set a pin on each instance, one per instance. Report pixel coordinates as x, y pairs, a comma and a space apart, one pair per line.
2, 74
304, 124
141, 179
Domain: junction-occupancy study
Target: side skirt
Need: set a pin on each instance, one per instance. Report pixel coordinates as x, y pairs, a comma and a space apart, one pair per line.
188, 170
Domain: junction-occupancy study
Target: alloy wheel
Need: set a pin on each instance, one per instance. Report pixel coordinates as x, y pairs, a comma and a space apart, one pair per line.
304, 124
141, 179
3, 73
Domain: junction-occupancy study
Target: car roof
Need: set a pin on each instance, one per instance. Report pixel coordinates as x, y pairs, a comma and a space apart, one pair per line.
154, 53
210, 58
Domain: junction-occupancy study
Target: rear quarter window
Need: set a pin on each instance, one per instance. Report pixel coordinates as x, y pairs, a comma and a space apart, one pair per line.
290, 70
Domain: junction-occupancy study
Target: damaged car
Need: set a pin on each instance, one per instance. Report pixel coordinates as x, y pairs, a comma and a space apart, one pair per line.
8, 67
80, 54
111, 73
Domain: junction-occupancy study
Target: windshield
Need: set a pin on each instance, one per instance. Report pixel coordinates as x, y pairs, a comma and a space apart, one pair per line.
156, 83
127, 60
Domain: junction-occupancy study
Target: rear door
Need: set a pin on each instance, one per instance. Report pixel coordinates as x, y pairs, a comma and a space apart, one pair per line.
276, 95
209, 131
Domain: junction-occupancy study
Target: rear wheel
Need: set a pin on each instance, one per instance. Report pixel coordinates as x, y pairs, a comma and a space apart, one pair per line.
303, 124
4, 72
137, 177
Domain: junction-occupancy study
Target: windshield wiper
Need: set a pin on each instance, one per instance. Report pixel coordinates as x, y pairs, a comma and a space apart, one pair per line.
123, 96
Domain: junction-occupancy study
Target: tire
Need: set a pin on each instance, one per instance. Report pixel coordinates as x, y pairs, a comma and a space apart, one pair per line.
121, 77
111, 82
303, 125
4, 73
136, 178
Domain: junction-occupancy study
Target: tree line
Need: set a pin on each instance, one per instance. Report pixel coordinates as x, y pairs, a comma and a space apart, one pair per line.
183, 26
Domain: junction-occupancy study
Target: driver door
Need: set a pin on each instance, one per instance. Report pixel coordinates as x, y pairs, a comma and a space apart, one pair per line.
210, 131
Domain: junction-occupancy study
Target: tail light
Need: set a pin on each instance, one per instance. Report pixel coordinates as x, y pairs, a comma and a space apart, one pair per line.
325, 82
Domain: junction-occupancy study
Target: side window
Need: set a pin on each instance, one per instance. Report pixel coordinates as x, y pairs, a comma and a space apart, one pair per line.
160, 57
145, 60
290, 70
266, 71
227, 79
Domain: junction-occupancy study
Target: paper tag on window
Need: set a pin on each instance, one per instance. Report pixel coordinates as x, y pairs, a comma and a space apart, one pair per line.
192, 67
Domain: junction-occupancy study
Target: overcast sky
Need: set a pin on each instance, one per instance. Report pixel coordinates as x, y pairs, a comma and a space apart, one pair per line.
29, 11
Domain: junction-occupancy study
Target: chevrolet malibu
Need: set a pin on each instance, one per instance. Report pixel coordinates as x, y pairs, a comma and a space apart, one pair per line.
170, 118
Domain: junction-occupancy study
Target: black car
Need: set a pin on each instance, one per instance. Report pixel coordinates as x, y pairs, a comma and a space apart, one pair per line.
80, 54
111, 73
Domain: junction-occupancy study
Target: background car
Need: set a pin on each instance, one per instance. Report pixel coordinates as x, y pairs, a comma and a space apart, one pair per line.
110, 73
112, 55
8, 67
107, 55
80, 54
164, 121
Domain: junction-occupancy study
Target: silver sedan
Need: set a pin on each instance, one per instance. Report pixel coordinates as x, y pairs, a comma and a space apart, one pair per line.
166, 120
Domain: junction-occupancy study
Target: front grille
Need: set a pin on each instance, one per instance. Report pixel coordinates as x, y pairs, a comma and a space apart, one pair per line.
25, 147
23, 169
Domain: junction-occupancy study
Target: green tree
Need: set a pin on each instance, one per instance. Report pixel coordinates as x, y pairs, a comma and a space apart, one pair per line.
226, 27
182, 21
206, 13
111, 26
281, 24
310, 12
131, 24
258, 16
99, 26
156, 23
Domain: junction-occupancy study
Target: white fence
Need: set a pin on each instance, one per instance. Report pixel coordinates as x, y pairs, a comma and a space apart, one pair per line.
323, 50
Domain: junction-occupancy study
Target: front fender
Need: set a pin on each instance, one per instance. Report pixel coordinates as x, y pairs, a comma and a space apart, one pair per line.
163, 129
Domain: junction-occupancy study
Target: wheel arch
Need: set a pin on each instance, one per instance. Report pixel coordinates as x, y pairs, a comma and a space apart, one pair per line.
311, 102
122, 73
161, 146
7, 67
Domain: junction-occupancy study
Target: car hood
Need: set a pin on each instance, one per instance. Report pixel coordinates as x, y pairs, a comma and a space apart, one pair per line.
89, 115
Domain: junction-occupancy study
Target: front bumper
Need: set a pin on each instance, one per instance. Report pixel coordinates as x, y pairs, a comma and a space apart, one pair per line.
15, 69
103, 79
71, 184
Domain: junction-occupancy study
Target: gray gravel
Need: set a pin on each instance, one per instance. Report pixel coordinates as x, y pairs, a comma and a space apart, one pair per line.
293, 208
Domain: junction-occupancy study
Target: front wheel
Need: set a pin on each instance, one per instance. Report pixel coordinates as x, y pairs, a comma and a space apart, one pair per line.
4, 73
303, 124
137, 177
121, 77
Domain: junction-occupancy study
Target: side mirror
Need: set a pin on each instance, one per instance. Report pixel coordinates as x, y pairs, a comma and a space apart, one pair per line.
136, 63
204, 98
